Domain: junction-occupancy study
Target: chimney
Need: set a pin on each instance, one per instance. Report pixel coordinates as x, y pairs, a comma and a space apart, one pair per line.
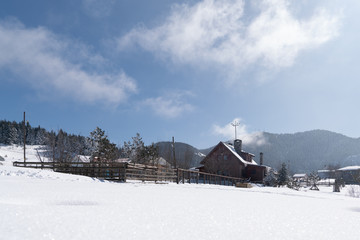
261, 158
237, 145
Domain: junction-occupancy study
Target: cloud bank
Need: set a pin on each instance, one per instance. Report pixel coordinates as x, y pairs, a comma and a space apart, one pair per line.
219, 33
47, 62
228, 132
171, 105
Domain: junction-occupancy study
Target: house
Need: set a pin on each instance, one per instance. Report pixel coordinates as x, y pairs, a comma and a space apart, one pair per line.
300, 177
230, 160
350, 174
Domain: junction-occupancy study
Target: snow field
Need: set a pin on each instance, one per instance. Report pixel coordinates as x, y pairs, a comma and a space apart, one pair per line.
40, 204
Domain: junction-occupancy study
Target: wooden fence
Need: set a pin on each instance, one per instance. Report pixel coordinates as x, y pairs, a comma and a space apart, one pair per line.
131, 171
187, 176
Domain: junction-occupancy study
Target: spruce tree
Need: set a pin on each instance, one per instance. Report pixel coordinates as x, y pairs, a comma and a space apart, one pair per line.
283, 177
101, 147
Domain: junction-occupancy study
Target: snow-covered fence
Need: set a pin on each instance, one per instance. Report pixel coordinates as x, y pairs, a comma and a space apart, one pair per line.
188, 176
150, 173
130, 171
108, 171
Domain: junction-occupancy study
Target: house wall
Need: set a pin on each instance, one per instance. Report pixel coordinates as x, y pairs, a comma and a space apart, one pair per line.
255, 173
222, 161
348, 176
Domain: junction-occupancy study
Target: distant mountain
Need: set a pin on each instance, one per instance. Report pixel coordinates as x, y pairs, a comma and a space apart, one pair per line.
186, 155
308, 151
303, 152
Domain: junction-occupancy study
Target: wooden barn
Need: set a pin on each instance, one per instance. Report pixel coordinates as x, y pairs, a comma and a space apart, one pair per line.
230, 160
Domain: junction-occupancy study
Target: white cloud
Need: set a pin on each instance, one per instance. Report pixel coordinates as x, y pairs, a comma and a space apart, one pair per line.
45, 61
171, 105
228, 132
219, 33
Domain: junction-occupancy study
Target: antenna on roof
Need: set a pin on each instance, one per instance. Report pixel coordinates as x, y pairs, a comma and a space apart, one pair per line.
235, 124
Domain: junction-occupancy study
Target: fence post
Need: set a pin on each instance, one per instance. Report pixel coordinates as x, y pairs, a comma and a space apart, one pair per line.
177, 176
183, 177
197, 178
125, 170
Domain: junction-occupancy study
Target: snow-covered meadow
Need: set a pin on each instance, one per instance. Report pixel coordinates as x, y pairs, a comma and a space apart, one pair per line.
41, 204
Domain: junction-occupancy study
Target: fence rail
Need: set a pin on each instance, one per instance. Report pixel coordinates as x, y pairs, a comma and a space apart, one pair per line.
131, 171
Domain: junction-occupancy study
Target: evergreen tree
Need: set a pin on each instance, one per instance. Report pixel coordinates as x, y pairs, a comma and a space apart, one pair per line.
283, 177
149, 154
13, 135
135, 150
5, 133
101, 147
40, 136
51, 145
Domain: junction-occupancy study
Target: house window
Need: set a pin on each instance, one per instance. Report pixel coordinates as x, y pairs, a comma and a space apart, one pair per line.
225, 157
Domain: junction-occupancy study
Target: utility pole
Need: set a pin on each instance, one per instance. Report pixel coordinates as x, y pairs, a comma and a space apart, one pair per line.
24, 138
173, 148
235, 124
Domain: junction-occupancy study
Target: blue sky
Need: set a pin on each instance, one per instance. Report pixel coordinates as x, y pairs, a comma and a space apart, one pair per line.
181, 68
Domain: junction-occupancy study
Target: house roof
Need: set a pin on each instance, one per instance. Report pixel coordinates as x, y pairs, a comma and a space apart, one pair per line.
325, 171
232, 150
300, 175
123, 160
349, 168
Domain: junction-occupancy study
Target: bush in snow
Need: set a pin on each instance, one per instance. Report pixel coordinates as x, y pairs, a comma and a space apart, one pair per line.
354, 191
270, 179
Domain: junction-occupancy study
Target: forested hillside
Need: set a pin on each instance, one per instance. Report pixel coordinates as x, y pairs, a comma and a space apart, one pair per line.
61, 145
13, 133
308, 151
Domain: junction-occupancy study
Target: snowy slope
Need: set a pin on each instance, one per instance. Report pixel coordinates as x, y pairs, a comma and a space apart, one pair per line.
40, 204
12, 153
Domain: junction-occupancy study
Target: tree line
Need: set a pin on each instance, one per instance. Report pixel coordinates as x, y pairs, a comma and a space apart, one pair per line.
63, 147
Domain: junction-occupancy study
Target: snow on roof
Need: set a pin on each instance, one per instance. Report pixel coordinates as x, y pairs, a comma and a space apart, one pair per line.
122, 160
300, 175
324, 171
349, 168
232, 149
